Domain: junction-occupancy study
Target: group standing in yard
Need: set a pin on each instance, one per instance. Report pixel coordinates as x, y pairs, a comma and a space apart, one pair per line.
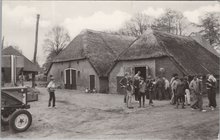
182, 90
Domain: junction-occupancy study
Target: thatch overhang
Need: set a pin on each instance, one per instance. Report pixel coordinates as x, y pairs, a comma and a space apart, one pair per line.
29, 67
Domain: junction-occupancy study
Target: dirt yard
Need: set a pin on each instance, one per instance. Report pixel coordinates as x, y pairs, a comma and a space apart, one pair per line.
103, 116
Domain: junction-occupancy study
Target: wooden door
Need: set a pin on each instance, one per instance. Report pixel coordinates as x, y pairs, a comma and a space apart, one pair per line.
92, 82
67, 85
73, 78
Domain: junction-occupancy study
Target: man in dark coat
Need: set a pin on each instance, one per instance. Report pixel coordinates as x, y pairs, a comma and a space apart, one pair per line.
123, 83
180, 92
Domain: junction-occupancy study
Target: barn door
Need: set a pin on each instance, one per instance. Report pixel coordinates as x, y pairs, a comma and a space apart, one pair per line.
67, 84
73, 79
92, 82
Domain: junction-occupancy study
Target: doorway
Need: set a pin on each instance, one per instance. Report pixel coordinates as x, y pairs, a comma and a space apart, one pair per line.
92, 82
142, 70
70, 78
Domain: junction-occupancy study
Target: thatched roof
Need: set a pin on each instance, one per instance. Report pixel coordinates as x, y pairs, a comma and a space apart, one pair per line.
28, 65
99, 48
204, 43
189, 55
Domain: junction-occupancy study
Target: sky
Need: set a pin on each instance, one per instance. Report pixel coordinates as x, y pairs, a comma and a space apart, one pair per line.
19, 17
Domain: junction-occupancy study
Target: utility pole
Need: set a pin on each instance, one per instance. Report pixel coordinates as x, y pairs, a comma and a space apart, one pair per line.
3, 42
35, 49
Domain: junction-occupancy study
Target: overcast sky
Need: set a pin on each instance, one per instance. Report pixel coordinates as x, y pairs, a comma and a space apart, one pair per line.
19, 17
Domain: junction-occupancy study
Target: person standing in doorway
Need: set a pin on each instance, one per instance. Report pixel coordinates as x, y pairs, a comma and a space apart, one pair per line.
51, 89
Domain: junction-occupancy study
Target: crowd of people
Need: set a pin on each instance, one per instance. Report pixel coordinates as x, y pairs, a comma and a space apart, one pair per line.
184, 91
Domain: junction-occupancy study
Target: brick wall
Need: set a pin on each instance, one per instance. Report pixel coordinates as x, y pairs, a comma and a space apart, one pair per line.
83, 70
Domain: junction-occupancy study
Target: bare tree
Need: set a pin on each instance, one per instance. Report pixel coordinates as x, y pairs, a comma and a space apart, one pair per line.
56, 40
136, 25
172, 22
166, 22
210, 24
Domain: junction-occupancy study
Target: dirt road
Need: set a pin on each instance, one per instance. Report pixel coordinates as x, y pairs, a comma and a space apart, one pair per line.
93, 116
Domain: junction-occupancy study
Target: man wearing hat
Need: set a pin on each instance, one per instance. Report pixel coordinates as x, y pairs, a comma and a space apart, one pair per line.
51, 89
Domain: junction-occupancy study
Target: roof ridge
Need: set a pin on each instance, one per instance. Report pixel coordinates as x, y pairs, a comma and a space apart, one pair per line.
168, 53
126, 49
107, 46
84, 31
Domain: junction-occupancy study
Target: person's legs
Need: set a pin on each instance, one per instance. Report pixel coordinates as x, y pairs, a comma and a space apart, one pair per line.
200, 102
139, 99
209, 97
150, 97
177, 101
187, 96
125, 95
50, 98
214, 98
195, 102
159, 93
143, 99
136, 91
54, 99
127, 100
172, 98
183, 98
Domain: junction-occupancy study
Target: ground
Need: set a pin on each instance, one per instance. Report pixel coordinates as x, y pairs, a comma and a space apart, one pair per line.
104, 116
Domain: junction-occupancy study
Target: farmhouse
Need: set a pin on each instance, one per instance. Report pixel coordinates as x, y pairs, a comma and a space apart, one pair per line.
87, 60
98, 60
156, 50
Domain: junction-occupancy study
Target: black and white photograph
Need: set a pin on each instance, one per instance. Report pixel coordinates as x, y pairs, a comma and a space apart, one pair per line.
112, 70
